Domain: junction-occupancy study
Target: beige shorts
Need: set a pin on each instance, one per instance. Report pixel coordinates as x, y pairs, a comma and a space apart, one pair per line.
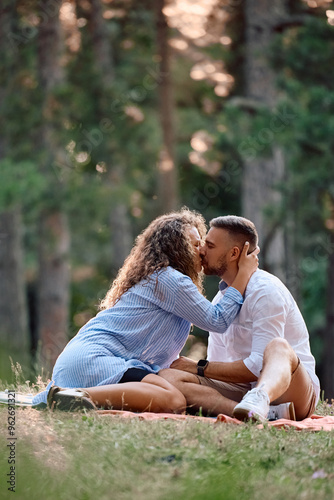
231, 391
300, 391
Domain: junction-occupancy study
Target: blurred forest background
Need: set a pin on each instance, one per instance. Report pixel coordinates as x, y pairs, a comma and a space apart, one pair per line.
113, 112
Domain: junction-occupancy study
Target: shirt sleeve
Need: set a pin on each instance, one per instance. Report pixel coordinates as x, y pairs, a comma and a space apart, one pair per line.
269, 318
192, 306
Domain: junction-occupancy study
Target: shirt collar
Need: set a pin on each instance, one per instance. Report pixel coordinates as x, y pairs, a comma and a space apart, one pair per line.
222, 285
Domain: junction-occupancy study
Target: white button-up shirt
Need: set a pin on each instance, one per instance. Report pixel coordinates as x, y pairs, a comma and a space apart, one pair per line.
269, 311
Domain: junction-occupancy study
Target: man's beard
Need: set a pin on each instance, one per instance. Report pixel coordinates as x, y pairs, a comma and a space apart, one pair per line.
218, 270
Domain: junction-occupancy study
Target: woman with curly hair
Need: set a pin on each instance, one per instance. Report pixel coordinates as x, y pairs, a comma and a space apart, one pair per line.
144, 323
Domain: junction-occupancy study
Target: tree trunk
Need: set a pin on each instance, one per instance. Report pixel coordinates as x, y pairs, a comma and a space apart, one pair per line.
13, 307
53, 286
101, 45
262, 174
327, 362
13, 304
54, 243
121, 234
167, 173
121, 237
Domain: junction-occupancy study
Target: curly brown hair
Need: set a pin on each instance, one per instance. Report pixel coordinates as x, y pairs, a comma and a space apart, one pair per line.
165, 242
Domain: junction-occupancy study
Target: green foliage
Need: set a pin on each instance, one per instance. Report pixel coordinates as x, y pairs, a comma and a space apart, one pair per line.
305, 53
302, 124
21, 183
108, 140
303, 58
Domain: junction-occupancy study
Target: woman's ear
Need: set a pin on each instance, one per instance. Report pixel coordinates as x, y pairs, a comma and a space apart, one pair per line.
235, 253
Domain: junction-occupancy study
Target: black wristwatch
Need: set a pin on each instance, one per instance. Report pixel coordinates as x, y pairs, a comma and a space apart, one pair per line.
201, 365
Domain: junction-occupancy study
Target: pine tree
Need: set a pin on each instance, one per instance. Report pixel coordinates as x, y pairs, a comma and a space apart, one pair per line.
13, 308
303, 55
54, 244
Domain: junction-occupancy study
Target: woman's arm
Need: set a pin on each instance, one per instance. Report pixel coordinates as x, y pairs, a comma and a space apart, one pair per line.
178, 294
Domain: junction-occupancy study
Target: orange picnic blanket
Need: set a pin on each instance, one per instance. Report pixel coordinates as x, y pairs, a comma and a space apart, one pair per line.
313, 423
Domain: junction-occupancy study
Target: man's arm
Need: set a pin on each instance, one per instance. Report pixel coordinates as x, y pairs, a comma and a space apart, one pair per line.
235, 371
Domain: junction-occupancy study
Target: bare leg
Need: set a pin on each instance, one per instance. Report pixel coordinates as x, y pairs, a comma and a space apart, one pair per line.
279, 362
285, 380
151, 394
197, 395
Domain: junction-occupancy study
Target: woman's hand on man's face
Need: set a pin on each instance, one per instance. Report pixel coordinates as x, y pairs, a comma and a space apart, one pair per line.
249, 262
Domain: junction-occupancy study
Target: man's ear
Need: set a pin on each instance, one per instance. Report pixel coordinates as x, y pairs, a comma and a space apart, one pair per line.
235, 253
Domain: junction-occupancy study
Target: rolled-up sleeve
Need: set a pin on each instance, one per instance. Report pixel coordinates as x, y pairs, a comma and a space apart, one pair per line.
269, 319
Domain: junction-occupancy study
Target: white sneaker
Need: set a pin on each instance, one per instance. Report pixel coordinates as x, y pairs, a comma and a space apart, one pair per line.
253, 406
284, 410
69, 399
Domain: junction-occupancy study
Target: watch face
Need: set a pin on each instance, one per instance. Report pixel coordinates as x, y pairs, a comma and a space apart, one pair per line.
202, 362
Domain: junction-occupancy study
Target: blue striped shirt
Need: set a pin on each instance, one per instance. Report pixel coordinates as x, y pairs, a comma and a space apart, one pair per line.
146, 328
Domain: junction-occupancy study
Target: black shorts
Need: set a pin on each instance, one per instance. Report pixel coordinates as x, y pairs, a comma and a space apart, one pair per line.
134, 375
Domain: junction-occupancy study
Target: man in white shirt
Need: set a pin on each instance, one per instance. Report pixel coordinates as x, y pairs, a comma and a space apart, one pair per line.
264, 357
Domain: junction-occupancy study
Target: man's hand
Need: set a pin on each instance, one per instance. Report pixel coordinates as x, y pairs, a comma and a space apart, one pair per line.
185, 364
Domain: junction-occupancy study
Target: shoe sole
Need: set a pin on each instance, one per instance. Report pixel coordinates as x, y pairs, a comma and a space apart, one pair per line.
58, 401
247, 415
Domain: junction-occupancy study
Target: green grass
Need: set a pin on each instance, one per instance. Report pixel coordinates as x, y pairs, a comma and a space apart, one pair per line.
6, 363
83, 456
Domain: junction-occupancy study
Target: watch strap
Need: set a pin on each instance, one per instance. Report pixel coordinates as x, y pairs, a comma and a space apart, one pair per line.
201, 365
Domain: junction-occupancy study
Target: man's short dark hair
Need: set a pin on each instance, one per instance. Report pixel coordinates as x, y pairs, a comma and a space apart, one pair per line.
238, 227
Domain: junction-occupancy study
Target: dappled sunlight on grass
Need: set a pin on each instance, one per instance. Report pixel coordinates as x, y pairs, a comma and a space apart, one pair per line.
95, 455
165, 459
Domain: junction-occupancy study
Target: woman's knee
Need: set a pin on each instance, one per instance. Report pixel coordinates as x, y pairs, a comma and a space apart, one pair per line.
168, 399
176, 401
